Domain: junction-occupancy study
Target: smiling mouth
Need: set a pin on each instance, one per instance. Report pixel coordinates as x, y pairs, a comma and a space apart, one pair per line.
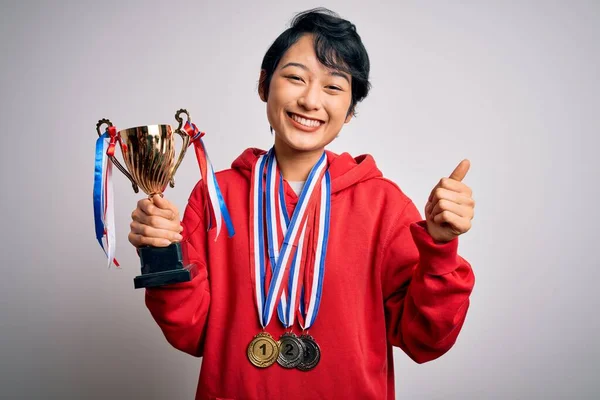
309, 123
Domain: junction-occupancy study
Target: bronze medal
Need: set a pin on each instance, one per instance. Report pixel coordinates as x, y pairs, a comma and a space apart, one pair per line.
311, 355
263, 350
291, 350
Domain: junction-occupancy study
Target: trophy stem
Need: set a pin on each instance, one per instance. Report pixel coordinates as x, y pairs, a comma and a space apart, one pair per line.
151, 195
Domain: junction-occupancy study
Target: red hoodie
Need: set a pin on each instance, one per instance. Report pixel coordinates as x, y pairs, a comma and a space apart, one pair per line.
387, 283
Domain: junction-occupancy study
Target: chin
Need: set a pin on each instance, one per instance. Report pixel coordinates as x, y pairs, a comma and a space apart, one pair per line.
303, 143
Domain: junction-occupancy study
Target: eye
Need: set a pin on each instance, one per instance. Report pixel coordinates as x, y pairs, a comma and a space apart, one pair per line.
334, 87
295, 78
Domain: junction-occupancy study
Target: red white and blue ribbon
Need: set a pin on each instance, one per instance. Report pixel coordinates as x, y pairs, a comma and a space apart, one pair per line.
104, 214
217, 210
312, 292
275, 207
284, 261
314, 272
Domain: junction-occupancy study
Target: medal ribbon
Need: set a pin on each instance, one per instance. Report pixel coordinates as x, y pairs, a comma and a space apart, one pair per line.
104, 216
214, 195
318, 266
276, 201
314, 289
279, 265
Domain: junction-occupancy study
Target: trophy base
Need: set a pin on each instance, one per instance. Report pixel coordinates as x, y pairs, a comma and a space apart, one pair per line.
162, 278
163, 266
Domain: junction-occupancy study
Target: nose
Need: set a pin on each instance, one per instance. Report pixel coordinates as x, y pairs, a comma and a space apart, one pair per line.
310, 99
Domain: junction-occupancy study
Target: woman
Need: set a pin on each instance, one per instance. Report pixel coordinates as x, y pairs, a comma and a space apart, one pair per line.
340, 252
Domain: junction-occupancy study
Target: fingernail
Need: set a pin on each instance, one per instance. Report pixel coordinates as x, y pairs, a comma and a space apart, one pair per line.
179, 237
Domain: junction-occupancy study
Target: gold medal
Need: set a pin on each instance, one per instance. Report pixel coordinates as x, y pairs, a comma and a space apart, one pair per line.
263, 350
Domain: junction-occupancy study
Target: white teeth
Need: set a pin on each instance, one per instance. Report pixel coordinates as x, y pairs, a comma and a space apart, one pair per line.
306, 122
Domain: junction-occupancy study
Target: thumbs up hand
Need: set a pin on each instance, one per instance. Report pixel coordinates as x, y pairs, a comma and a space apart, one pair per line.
450, 207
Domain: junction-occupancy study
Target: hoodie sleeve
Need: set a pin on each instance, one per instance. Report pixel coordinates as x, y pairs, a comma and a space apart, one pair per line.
426, 288
181, 309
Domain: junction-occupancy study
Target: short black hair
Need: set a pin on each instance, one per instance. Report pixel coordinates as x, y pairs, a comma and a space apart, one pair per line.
337, 46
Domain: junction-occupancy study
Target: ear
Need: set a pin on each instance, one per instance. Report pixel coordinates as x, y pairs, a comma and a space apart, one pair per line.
261, 85
349, 116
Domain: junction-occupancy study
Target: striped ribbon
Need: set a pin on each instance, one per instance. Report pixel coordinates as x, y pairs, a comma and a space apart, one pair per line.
217, 209
104, 214
286, 260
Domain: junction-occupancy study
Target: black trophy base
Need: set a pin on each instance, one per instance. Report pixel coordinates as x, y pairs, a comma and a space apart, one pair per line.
156, 279
162, 266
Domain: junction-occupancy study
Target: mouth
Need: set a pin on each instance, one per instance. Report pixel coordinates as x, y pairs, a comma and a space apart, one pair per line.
304, 123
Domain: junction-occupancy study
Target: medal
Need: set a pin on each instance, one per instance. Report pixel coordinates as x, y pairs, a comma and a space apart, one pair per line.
306, 355
263, 350
311, 355
291, 350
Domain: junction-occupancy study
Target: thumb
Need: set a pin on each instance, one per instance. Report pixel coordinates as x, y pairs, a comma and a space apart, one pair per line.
461, 170
160, 202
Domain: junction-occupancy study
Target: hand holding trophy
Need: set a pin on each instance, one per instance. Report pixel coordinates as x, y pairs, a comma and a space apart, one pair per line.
149, 154
155, 222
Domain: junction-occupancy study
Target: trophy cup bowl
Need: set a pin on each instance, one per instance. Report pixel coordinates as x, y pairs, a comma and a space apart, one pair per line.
149, 155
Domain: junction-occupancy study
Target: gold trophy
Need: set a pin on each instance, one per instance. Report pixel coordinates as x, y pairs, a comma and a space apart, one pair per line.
149, 154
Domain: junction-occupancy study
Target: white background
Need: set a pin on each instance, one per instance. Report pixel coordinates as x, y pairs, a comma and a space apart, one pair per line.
512, 86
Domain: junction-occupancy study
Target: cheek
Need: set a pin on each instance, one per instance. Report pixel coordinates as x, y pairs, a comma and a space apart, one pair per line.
274, 112
339, 111
276, 98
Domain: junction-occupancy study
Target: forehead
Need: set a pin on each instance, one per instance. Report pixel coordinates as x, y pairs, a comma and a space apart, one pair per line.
303, 51
304, 48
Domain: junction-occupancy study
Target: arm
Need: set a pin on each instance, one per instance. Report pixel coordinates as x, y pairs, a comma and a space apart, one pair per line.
181, 309
426, 287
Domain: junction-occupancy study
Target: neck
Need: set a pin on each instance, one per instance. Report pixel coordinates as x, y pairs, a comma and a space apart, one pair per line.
296, 165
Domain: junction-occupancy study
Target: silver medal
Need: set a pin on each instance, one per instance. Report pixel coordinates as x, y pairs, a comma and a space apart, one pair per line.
291, 350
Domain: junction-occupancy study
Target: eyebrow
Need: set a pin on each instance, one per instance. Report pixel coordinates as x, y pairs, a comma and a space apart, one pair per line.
304, 67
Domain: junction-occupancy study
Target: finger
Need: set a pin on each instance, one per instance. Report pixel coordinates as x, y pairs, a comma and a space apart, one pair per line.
161, 202
151, 232
149, 208
461, 170
433, 191
456, 222
447, 205
459, 198
156, 222
139, 240
454, 181
451, 185
428, 209
455, 186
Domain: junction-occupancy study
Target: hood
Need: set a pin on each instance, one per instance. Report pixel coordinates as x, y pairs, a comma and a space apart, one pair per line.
344, 169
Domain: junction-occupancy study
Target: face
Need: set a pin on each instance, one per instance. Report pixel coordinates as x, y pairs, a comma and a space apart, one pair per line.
307, 103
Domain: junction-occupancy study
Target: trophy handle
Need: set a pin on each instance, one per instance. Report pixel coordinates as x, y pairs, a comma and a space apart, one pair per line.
186, 142
113, 158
